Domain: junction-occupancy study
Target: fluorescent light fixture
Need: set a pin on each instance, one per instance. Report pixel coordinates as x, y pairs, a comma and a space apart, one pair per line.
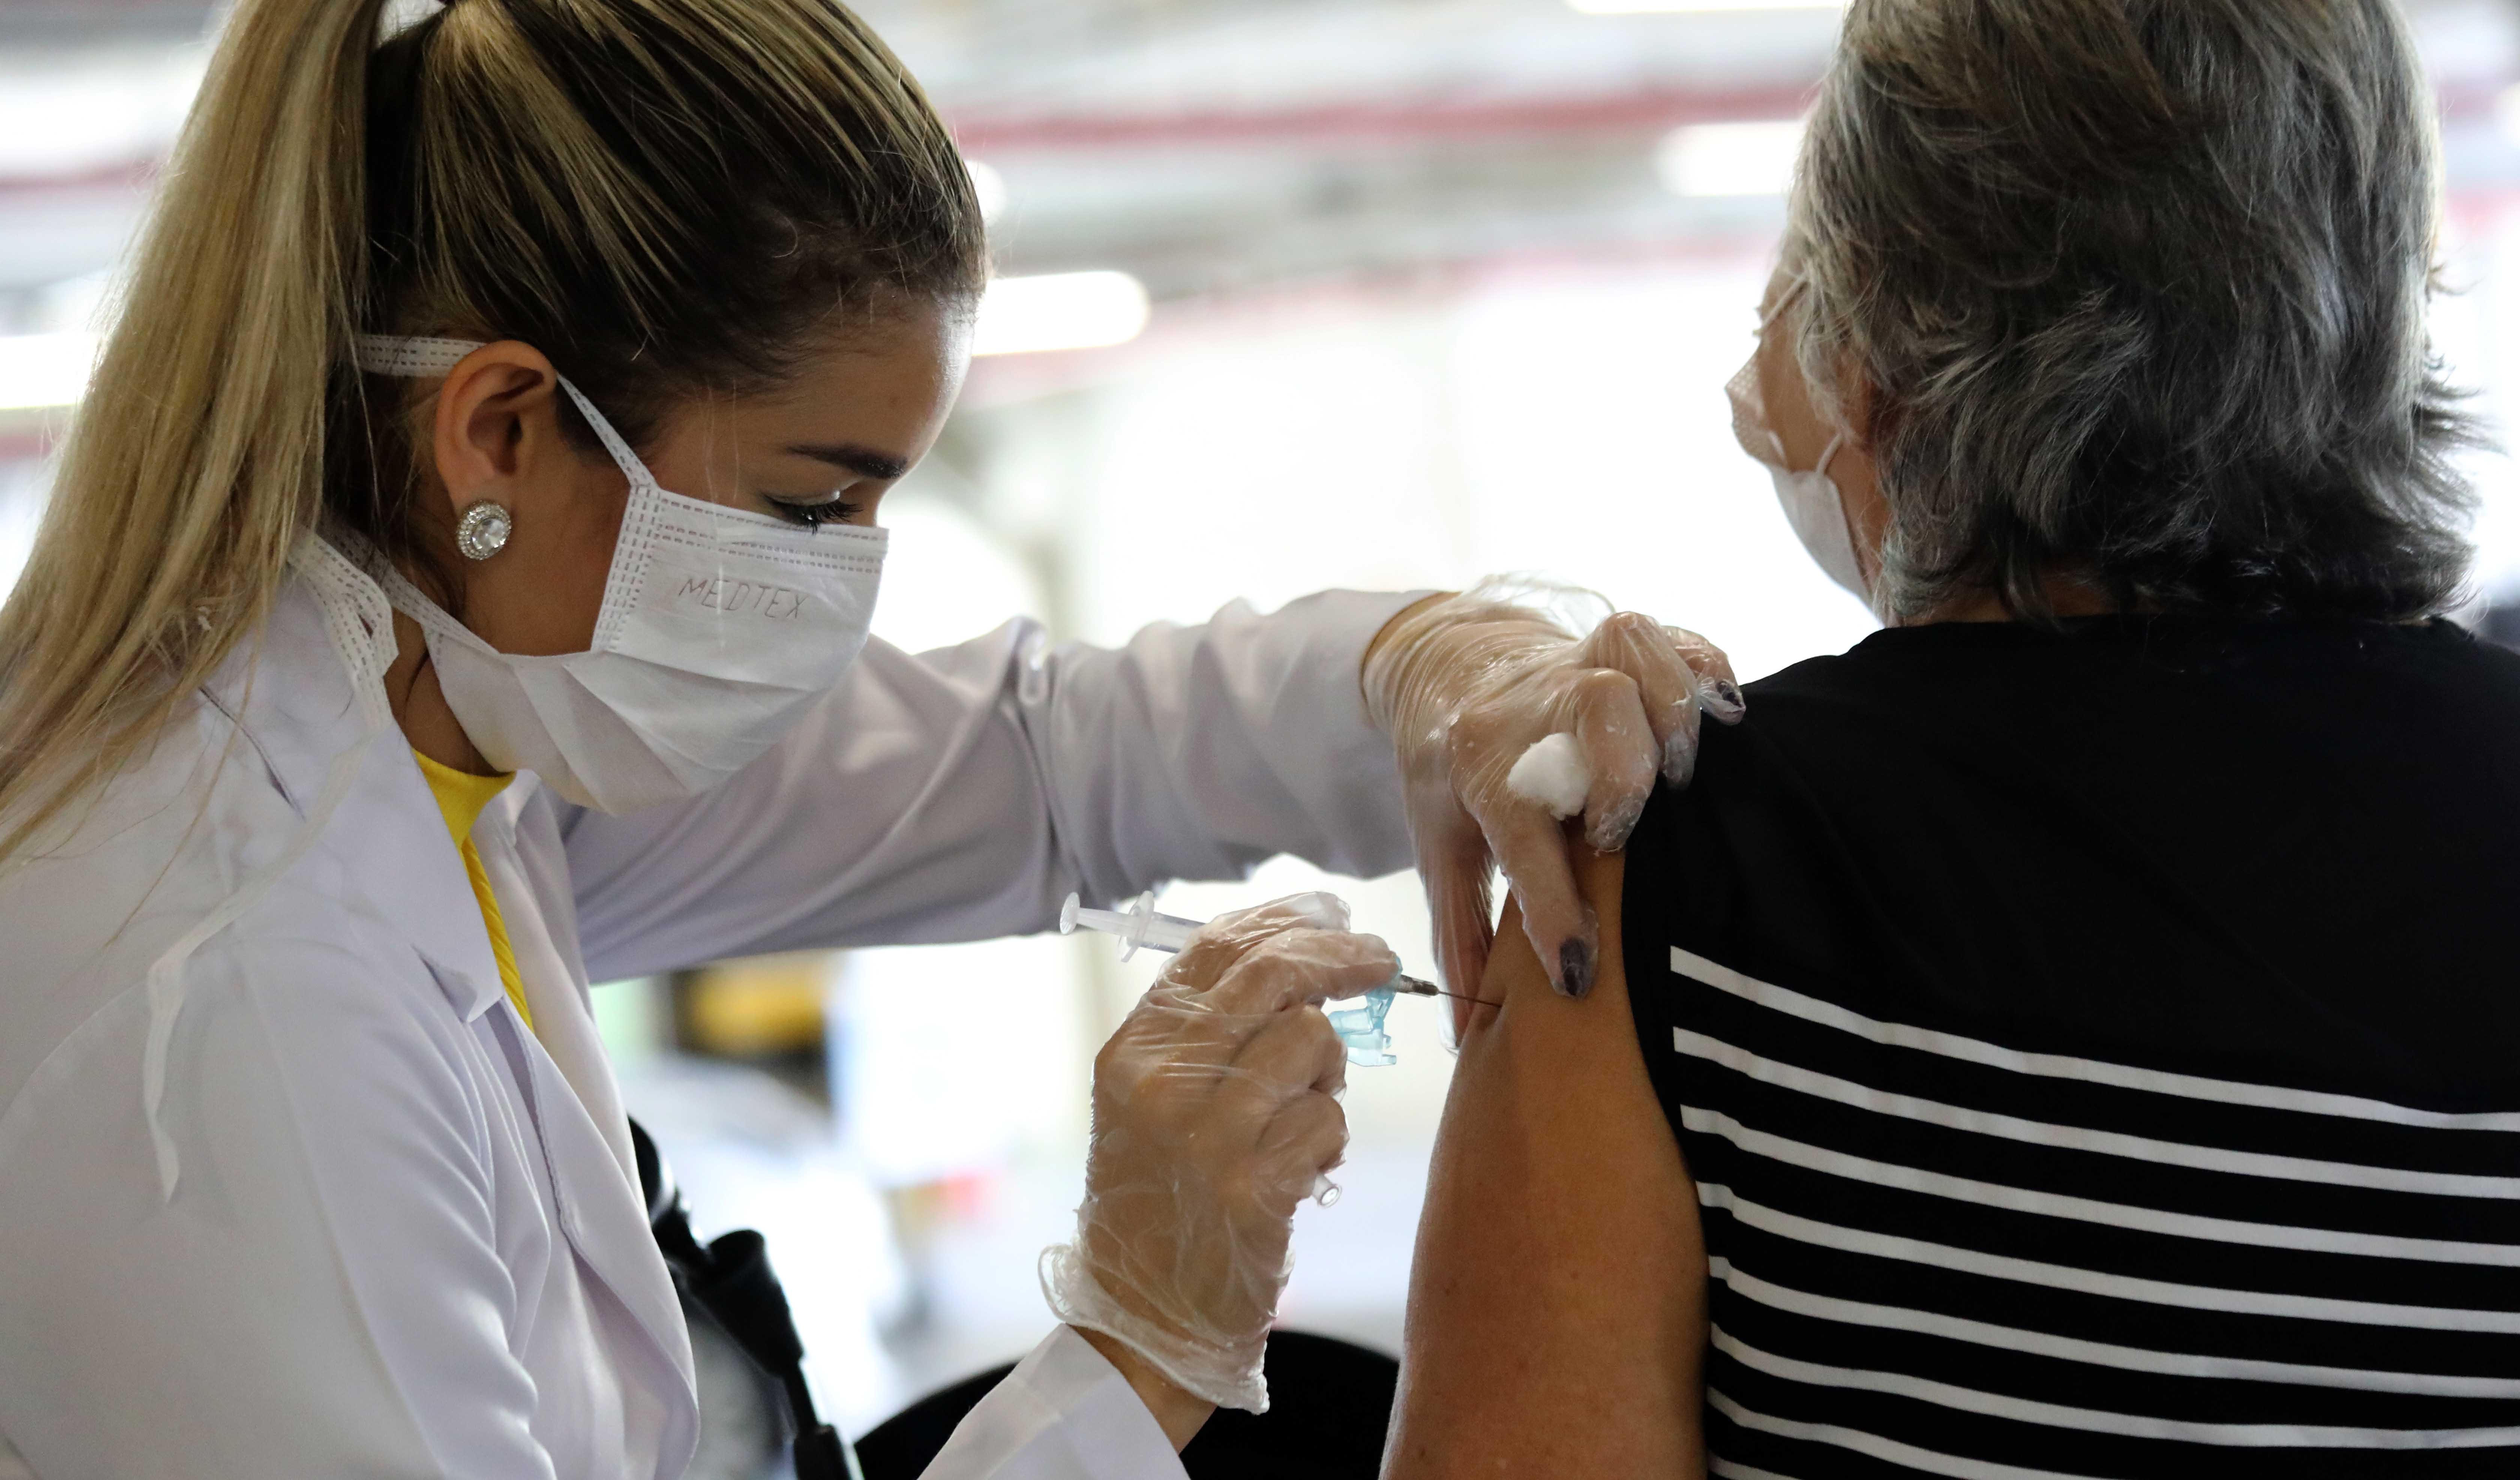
1729, 158
1066, 311
40, 370
990, 186
1667, 7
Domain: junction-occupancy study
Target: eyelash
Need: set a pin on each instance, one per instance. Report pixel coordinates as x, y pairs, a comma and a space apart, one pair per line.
835, 512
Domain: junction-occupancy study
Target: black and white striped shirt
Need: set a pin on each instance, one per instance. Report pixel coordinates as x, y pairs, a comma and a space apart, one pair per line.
2044, 1122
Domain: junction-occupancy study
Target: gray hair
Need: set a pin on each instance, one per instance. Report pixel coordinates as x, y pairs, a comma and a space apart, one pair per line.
2135, 290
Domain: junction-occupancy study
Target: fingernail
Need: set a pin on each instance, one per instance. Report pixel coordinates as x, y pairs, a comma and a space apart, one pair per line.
1575, 969
1723, 701
1680, 759
1610, 834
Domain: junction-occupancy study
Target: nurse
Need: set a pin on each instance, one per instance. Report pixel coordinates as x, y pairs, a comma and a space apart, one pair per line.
457, 590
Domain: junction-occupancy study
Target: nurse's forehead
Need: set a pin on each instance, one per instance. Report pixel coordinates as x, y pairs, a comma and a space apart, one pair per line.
841, 396
860, 420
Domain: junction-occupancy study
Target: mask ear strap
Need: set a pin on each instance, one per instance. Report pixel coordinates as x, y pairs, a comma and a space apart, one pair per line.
1785, 300
622, 457
412, 359
1846, 517
1829, 454
424, 359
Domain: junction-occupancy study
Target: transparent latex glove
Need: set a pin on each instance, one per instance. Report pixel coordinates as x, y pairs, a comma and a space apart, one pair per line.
1215, 1114
1465, 685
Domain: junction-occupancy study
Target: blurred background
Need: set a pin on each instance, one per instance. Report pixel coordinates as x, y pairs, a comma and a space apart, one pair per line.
1294, 294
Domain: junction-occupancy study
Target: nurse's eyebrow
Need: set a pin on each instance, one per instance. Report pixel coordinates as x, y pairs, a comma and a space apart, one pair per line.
849, 457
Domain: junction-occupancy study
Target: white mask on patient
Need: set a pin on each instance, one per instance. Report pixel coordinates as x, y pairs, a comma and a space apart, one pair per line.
1812, 503
719, 627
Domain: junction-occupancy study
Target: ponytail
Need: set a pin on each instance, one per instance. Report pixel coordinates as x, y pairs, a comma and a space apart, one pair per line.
197, 457
664, 196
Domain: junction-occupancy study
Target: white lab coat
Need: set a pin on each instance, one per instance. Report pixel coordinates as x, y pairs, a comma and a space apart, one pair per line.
404, 1238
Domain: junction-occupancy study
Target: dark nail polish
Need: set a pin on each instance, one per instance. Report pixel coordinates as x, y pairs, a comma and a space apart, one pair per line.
1575, 969
1727, 698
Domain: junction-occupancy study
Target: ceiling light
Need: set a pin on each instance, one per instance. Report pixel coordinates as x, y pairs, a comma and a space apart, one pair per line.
1067, 310
1729, 158
39, 371
1651, 7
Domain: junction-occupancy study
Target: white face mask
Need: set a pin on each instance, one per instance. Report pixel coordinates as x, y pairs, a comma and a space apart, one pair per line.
718, 627
1812, 503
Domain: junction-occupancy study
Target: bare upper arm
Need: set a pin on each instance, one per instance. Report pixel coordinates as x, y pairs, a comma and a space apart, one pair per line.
1558, 1306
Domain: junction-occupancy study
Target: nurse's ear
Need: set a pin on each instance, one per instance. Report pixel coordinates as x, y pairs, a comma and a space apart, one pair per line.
496, 429
495, 436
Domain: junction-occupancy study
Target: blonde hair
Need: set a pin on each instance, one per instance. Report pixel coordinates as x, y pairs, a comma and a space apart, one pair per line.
663, 196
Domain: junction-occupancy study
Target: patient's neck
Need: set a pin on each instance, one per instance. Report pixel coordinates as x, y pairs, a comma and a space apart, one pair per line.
2067, 596
2067, 600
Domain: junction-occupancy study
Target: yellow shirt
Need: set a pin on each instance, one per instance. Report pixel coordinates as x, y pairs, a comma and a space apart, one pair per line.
460, 799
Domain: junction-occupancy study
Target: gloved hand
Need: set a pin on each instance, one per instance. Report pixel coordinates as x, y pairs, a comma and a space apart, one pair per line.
1464, 685
1214, 1116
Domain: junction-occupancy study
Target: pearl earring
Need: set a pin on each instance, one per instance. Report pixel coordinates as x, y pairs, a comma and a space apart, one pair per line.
482, 530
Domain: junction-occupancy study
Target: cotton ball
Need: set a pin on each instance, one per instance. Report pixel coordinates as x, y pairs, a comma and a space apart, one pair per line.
1553, 773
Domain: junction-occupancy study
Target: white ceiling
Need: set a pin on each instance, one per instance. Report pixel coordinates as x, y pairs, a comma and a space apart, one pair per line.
1206, 145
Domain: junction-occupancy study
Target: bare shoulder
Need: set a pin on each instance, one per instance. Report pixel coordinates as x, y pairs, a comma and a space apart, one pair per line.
1556, 1309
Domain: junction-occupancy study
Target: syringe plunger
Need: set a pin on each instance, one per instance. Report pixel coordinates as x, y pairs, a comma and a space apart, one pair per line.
1139, 926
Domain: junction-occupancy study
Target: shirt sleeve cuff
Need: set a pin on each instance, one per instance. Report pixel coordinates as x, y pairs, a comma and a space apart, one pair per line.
1063, 1413
1350, 621
1325, 636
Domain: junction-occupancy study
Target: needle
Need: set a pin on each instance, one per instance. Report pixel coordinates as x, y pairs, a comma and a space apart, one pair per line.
1411, 986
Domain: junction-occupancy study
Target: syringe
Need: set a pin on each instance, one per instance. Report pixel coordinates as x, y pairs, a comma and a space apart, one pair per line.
1140, 927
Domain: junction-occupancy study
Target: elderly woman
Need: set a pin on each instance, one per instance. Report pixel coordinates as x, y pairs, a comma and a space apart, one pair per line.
2074, 1033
